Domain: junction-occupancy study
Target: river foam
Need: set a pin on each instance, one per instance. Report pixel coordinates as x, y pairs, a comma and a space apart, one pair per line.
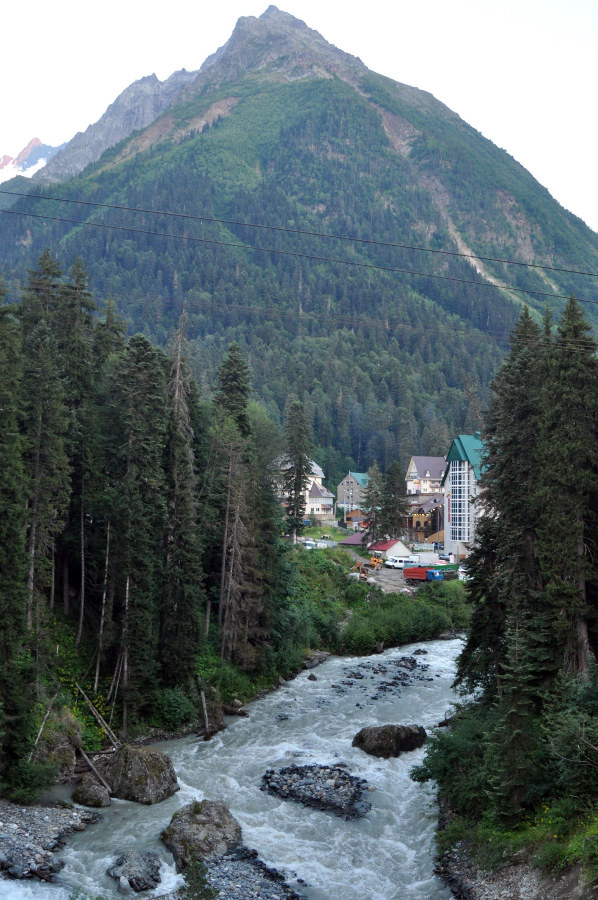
387, 855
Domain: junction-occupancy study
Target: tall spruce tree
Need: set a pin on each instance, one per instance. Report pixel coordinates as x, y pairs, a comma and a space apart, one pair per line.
15, 701
393, 505
182, 596
45, 422
568, 557
234, 388
535, 553
372, 504
139, 391
297, 466
504, 566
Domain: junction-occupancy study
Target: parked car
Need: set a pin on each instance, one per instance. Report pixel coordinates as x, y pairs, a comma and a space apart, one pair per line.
444, 557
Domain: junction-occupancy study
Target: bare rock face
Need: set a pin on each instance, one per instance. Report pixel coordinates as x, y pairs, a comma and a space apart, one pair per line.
143, 775
89, 792
389, 740
201, 830
137, 107
141, 871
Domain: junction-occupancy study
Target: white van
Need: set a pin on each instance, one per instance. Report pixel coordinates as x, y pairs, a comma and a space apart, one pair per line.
401, 562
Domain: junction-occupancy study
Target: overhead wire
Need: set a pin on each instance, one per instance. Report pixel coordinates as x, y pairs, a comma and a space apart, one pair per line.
299, 231
294, 253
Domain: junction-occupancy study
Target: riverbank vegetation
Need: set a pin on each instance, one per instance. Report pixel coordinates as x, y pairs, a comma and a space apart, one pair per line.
518, 766
143, 564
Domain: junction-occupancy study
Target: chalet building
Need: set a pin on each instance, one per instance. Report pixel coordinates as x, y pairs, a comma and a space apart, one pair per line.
461, 487
350, 493
319, 501
425, 474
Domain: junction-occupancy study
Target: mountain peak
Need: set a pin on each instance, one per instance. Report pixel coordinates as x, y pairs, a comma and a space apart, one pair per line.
280, 45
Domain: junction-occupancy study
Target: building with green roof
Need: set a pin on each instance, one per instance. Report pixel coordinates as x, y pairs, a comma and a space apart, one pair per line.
461, 482
350, 493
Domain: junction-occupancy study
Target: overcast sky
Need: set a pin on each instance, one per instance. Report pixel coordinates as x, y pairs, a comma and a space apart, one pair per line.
523, 72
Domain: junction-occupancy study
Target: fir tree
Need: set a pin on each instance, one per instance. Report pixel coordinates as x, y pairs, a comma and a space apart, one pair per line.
297, 466
372, 505
45, 423
182, 597
139, 390
569, 458
234, 388
393, 507
15, 705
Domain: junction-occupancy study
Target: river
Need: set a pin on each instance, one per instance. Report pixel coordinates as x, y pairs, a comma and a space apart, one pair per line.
387, 855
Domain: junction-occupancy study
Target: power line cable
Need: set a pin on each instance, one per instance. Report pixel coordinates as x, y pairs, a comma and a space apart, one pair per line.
294, 253
302, 232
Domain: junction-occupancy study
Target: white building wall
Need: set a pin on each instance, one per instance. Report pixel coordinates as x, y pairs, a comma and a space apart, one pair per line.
460, 512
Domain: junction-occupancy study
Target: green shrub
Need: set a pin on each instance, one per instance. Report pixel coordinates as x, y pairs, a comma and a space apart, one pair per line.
173, 709
583, 847
27, 779
391, 620
229, 681
196, 883
455, 760
450, 596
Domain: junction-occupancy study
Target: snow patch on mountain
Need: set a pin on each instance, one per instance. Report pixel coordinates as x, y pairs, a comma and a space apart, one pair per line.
30, 160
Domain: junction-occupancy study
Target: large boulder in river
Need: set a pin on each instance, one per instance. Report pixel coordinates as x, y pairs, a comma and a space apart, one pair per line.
389, 740
201, 830
141, 871
143, 775
89, 792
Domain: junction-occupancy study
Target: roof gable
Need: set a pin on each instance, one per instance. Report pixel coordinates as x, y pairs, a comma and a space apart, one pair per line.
466, 448
435, 465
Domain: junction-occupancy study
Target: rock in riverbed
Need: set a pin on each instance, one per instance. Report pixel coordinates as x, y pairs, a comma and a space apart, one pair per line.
329, 788
389, 740
201, 830
141, 774
141, 870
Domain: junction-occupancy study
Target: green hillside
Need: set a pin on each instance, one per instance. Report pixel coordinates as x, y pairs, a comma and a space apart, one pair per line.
385, 345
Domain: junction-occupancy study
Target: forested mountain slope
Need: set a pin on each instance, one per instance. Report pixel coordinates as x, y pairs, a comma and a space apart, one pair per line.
386, 345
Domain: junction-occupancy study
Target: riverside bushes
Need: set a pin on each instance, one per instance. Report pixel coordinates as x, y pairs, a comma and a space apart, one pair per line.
393, 619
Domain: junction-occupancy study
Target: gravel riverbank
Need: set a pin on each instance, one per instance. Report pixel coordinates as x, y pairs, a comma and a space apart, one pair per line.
29, 836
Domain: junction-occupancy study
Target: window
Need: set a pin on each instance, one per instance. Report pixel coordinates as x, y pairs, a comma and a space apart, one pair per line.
460, 520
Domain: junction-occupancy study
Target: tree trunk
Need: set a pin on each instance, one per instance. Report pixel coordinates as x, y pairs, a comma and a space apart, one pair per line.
82, 588
125, 668
103, 611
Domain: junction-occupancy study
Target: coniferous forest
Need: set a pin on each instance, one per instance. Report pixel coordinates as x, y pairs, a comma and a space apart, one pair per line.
301, 260
140, 527
517, 768
142, 550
